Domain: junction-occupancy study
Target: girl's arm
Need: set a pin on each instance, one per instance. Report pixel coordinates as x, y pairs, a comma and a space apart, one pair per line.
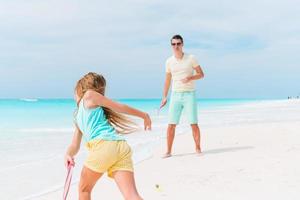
93, 99
74, 147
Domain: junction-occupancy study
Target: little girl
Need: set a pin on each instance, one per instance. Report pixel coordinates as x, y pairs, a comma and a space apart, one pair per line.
99, 121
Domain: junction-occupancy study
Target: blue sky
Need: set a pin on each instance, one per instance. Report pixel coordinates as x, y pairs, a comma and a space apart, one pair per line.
247, 49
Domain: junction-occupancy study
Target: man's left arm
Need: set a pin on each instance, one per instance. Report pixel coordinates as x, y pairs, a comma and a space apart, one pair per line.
199, 74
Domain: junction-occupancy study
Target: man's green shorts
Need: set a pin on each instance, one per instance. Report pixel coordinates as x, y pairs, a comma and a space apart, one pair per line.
186, 101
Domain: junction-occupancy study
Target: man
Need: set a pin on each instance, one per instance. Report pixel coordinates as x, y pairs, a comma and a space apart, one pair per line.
183, 69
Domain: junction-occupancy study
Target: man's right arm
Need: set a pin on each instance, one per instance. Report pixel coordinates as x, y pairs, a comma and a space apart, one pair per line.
167, 84
166, 89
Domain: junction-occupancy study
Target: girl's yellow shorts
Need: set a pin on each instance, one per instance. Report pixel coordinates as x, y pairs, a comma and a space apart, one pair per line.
109, 156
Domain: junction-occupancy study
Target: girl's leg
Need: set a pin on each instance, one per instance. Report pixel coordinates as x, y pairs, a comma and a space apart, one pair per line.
87, 181
126, 184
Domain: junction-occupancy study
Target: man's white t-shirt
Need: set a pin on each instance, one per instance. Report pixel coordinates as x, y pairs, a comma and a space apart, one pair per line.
180, 69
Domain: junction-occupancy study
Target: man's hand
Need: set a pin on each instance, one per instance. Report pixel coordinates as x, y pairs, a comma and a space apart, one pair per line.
187, 79
163, 102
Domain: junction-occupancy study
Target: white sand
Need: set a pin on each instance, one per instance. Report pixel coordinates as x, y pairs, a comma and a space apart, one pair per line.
258, 160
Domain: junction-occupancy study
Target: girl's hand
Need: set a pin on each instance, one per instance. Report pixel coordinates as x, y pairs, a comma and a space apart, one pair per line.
147, 122
69, 160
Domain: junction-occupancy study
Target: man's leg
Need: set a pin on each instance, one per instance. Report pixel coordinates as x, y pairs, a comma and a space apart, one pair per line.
175, 110
170, 139
191, 109
197, 137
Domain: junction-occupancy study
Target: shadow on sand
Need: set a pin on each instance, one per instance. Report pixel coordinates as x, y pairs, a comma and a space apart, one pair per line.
216, 151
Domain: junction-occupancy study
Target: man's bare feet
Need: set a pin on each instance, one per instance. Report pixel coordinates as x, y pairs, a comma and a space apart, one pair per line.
198, 151
167, 155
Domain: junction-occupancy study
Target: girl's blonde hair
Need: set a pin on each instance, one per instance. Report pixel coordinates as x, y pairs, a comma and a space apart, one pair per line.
97, 83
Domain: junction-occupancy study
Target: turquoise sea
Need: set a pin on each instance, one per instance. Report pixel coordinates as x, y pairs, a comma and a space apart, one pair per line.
47, 114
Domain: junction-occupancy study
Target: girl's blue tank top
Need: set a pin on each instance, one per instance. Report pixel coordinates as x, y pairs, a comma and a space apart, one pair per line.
94, 125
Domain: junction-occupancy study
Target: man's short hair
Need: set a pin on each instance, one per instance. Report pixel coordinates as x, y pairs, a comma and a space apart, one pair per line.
177, 37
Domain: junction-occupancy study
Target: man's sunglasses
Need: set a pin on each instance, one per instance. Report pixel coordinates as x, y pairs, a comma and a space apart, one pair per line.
178, 44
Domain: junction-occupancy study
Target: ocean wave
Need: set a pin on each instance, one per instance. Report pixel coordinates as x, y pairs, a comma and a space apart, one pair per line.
48, 130
28, 100
28, 163
50, 190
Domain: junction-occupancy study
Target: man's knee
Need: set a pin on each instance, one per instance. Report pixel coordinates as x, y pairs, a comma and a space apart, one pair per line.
195, 126
171, 126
